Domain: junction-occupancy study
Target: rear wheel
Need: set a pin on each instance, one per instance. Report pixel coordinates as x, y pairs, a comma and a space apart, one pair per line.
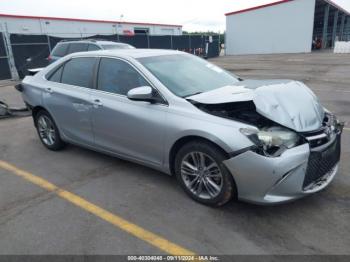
200, 170
47, 131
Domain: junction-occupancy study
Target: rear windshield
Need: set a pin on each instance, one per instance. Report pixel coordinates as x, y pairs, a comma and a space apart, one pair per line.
60, 50
77, 47
92, 47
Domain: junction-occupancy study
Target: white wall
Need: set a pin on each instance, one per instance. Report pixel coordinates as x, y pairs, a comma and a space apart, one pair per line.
63, 28
282, 28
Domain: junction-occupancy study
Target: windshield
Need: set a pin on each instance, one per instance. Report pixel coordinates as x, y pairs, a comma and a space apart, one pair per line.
111, 47
187, 75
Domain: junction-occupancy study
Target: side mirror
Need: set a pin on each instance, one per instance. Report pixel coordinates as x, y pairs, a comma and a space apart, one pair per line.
143, 93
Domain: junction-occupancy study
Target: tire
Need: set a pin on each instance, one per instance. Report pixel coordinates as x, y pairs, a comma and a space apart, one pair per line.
197, 179
49, 137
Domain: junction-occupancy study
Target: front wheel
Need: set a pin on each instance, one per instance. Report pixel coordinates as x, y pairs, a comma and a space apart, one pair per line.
200, 170
48, 132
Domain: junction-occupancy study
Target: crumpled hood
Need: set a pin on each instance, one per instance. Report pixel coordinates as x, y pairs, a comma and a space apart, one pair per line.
289, 103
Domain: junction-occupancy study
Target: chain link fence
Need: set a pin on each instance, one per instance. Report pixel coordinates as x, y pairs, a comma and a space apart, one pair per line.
31, 51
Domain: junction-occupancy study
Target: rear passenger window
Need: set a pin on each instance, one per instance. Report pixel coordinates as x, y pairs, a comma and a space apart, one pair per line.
78, 71
118, 77
93, 48
77, 47
60, 50
56, 76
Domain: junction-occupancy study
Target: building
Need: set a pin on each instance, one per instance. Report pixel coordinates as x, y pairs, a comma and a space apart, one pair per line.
26, 41
287, 26
72, 27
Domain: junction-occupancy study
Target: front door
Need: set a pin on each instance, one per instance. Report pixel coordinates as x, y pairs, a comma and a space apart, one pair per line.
129, 128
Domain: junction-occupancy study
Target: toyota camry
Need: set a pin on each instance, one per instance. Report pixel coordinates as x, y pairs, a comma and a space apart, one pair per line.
223, 137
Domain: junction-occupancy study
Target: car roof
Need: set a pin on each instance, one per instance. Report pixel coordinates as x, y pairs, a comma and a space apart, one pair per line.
109, 43
133, 53
92, 41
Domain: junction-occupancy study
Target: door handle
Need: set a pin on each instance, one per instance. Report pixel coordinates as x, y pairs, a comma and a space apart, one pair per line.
49, 90
97, 103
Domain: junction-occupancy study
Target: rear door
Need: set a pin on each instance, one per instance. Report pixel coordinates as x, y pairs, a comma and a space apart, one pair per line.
68, 99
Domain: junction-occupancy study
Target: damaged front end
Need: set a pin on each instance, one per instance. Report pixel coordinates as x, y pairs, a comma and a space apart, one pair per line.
297, 164
299, 171
289, 160
270, 138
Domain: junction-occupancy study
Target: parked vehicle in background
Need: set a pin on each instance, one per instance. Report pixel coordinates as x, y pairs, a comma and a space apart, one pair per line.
64, 48
262, 141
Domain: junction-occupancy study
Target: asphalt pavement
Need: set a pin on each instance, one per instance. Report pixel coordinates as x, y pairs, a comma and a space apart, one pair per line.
35, 219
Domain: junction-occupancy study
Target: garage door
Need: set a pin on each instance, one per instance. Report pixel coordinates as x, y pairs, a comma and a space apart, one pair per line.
5, 72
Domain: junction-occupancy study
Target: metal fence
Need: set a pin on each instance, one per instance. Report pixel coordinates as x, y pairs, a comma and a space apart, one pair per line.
31, 51
5, 72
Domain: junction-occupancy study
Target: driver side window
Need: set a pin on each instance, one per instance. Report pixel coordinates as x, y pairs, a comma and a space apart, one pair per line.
118, 77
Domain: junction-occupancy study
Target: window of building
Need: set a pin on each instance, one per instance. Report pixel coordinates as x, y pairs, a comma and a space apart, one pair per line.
141, 31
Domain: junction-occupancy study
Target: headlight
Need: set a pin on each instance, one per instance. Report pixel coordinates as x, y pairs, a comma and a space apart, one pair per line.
272, 139
333, 123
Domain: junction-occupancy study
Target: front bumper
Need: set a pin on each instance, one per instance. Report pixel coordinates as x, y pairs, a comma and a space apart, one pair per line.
266, 180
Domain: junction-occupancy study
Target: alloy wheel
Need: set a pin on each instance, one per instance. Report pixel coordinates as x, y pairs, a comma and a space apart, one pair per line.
201, 175
46, 130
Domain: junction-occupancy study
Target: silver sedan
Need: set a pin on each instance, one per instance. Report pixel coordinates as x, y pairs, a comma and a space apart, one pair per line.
223, 137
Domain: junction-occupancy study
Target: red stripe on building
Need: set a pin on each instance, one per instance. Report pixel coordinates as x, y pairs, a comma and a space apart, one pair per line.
85, 20
283, 2
258, 7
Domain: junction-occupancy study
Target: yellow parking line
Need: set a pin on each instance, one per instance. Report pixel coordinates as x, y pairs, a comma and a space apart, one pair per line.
135, 230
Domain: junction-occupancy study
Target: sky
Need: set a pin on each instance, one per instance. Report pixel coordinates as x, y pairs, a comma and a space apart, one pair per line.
194, 15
